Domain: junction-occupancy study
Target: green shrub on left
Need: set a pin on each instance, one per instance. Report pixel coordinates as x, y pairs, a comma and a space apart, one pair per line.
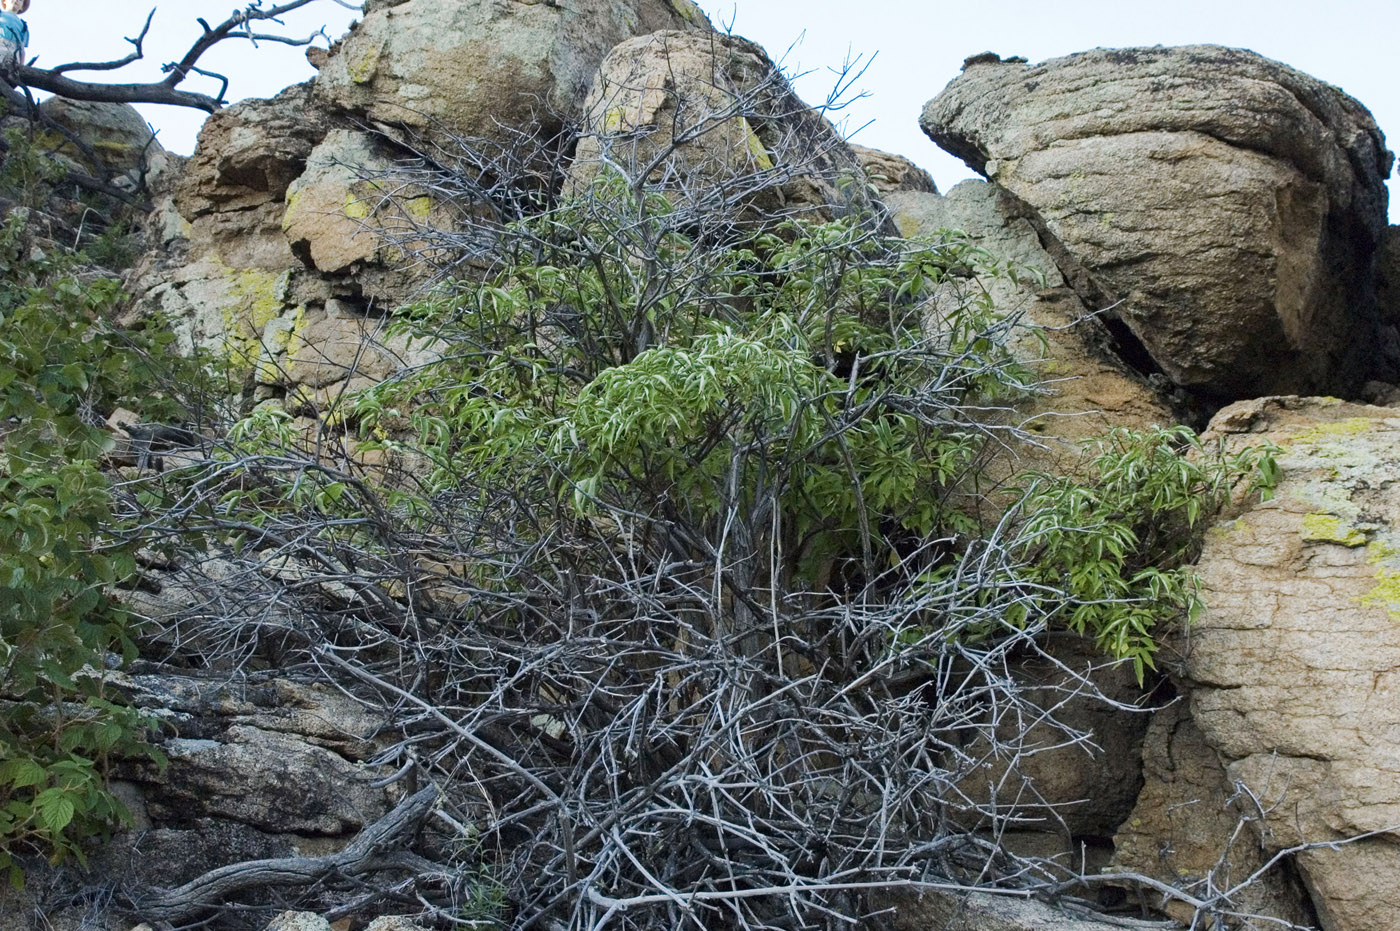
61, 366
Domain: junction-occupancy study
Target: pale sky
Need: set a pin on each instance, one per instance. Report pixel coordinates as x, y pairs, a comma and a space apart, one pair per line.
918, 46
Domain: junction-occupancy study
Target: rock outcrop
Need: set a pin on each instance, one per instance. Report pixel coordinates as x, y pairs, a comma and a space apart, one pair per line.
483, 68
1088, 383
711, 115
1294, 669
1226, 206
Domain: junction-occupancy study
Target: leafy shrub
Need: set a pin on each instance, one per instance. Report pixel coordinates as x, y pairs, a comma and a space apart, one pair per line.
60, 366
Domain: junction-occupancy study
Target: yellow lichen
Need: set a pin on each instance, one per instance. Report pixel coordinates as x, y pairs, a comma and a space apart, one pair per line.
419, 208
1386, 593
687, 11
356, 208
1329, 528
1352, 426
362, 61
613, 120
756, 150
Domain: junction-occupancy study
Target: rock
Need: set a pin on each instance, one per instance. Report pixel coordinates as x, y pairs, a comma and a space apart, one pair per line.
338, 211
888, 172
250, 153
947, 911
1294, 668
1089, 386
483, 68
298, 921
1183, 827
1232, 204
1388, 298
1074, 772
393, 923
759, 142
117, 135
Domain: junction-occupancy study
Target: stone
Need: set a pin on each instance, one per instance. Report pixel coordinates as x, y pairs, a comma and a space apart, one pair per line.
1088, 384
298, 921
1293, 670
393, 923
1075, 771
1228, 206
712, 116
335, 213
888, 172
1184, 827
250, 153
484, 68
978, 911
116, 133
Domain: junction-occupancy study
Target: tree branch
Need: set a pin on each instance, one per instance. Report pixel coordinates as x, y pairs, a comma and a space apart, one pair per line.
167, 91
362, 856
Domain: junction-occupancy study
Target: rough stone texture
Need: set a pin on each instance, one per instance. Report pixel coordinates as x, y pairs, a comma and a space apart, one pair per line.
274, 249
298, 921
279, 757
117, 134
484, 68
1233, 204
946, 911
1183, 828
1388, 292
652, 93
1088, 387
888, 172
1077, 771
1295, 664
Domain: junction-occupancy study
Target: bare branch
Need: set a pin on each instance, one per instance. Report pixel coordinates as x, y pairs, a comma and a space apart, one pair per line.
239, 25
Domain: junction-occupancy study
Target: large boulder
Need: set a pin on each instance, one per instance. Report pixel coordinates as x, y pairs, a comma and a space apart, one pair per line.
1231, 204
1294, 668
484, 68
713, 117
1089, 384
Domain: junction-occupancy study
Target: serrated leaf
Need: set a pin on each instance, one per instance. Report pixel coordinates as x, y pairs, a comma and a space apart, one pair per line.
55, 810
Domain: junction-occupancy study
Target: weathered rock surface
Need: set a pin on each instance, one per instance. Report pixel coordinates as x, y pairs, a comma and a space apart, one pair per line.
714, 117
946, 911
115, 133
484, 68
1088, 387
1232, 204
888, 172
1184, 827
1073, 773
1295, 665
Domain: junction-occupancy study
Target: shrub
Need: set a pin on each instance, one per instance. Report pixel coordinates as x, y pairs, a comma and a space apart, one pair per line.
60, 366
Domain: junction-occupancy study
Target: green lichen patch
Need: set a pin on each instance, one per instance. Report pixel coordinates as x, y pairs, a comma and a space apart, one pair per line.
1337, 429
1329, 528
756, 150
1386, 593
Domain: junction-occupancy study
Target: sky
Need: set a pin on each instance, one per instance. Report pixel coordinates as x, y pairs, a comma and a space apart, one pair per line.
913, 48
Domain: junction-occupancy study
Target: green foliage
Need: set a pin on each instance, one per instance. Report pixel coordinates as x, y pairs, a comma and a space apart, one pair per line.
1106, 553
60, 364
788, 403
787, 380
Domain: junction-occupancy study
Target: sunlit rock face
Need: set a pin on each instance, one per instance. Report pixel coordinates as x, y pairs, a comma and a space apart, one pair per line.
1227, 206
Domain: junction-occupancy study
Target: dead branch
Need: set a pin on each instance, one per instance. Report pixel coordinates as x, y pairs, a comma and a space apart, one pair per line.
239, 25
365, 854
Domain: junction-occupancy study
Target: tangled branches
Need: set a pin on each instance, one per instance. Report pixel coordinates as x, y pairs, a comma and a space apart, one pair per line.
684, 597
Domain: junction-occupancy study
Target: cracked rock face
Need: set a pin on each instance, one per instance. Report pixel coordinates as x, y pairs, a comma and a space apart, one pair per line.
481, 68
1232, 204
1296, 662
